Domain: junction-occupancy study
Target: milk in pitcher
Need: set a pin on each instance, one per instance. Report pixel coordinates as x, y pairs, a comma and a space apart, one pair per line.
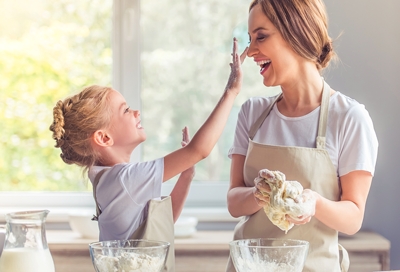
26, 259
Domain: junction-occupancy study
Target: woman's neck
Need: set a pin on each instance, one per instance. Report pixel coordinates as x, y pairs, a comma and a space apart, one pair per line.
301, 96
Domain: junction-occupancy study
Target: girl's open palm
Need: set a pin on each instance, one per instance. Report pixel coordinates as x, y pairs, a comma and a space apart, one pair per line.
236, 76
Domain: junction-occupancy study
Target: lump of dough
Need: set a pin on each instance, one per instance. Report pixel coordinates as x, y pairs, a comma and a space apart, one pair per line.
285, 198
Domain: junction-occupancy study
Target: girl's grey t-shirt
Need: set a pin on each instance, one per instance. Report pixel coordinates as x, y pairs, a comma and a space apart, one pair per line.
123, 193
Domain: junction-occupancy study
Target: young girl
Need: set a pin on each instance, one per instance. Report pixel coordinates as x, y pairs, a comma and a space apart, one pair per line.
97, 130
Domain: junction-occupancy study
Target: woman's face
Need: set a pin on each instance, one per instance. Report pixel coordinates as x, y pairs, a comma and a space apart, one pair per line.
126, 129
279, 63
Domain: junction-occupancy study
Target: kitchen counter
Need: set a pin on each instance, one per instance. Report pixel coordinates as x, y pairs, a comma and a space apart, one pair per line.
209, 250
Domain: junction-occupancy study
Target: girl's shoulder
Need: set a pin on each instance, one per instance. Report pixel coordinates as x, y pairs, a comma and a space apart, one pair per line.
126, 171
139, 168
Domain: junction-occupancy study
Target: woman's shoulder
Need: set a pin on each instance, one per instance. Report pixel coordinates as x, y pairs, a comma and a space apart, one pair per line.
258, 102
342, 102
345, 107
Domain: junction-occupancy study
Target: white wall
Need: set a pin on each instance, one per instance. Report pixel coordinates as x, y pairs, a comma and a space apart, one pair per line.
369, 71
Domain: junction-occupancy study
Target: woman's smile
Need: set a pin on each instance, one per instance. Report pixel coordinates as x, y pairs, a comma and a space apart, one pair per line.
264, 64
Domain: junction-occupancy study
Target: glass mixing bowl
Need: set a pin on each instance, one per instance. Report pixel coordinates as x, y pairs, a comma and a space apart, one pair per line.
267, 254
129, 255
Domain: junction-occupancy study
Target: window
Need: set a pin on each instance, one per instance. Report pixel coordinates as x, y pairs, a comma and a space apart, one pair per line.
170, 59
49, 49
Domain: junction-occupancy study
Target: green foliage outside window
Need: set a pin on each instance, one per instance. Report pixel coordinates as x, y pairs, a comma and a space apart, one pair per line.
48, 50
51, 49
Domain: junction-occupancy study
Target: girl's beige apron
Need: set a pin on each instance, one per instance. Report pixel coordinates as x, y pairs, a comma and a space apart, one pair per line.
313, 168
158, 226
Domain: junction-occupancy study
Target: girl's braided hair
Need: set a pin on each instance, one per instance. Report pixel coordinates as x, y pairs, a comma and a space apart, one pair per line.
76, 119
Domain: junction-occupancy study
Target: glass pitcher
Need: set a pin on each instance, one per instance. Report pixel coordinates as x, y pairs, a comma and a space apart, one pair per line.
25, 247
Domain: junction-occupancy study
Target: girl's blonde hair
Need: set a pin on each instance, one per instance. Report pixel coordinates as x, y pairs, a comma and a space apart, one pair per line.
304, 25
76, 119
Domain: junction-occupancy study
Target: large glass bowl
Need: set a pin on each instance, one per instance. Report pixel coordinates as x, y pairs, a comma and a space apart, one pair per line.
267, 254
129, 255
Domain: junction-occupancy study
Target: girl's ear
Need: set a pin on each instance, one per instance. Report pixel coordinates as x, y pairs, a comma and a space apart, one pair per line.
101, 138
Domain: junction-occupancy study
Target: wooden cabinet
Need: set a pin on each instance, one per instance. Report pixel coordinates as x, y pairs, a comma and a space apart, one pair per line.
368, 251
208, 251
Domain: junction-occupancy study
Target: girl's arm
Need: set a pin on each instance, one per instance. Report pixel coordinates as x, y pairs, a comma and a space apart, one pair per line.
240, 199
208, 134
181, 188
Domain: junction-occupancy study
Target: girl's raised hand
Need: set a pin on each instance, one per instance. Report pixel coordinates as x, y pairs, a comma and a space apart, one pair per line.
236, 76
190, 172
185, 136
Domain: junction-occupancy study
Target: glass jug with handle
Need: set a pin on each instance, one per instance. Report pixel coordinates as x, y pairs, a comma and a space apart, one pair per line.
25, 246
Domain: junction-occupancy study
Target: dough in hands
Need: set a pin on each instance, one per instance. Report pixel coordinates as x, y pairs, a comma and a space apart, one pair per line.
285, 198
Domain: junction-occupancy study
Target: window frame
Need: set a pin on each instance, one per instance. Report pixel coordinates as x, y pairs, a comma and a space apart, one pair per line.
126, 78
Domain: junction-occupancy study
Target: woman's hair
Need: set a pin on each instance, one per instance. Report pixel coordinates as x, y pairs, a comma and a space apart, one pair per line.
304, 25
76, 119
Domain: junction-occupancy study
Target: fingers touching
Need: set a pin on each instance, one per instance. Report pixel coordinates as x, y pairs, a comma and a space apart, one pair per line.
185, 136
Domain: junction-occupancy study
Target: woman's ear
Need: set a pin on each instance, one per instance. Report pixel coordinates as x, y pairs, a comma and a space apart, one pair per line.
101, 138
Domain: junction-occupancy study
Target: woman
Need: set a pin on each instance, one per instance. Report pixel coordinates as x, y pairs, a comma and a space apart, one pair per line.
313, 134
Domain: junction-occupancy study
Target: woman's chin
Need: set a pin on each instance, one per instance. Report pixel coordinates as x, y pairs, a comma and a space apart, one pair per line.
269, 83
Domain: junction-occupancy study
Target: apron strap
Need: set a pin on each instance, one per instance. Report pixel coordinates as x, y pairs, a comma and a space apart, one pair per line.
264, 115
323, 116
95, 183
344, 259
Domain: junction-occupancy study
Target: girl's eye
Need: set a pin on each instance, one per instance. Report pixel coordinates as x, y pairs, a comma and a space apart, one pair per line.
127, 109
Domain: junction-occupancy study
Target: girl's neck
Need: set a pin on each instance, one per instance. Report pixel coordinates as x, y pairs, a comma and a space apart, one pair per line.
112, 156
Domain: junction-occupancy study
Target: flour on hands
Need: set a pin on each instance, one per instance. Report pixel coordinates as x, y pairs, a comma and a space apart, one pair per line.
285, 199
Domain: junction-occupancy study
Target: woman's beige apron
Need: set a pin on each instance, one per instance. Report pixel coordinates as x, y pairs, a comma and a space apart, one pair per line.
313, 168
158, 226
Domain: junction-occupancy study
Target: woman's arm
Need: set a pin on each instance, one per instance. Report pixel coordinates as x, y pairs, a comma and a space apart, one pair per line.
241, 200
206, 137
347, 214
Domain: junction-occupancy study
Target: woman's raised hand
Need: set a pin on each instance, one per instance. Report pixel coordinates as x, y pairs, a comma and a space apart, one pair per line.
236, 76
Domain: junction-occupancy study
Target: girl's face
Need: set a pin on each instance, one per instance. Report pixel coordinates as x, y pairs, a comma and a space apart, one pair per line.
278, 62
126, 129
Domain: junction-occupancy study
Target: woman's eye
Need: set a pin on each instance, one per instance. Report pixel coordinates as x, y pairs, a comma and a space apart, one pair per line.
260, 38
127, 110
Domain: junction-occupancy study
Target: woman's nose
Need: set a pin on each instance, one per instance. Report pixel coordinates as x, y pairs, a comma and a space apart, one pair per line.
136, 113
252, 50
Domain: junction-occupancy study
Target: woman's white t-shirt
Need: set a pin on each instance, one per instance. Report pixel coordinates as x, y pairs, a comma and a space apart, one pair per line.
123, 193
350, 137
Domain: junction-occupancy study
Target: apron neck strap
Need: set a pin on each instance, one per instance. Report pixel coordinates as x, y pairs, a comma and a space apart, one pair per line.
95, 183
323, 116
264, 115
